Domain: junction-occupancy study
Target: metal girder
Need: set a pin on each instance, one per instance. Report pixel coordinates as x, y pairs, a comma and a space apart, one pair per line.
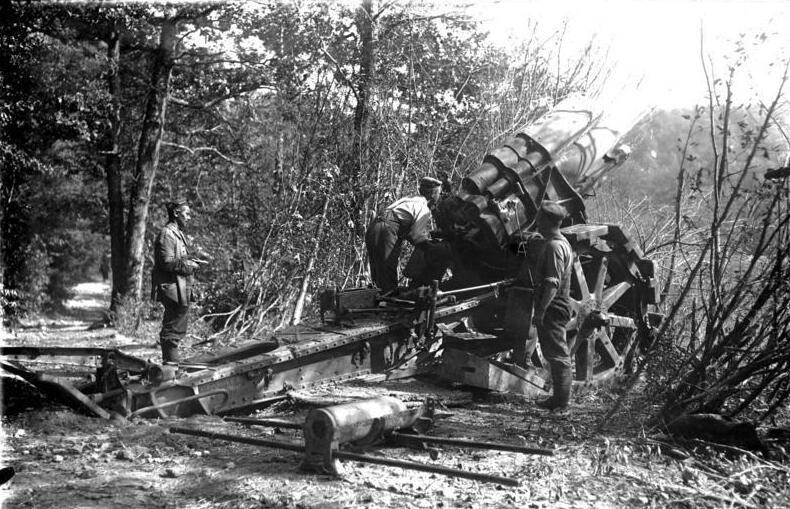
307, 356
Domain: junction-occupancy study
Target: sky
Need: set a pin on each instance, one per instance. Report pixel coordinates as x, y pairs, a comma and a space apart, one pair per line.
657, 43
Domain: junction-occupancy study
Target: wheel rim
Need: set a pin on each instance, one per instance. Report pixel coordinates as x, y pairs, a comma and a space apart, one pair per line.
600, 339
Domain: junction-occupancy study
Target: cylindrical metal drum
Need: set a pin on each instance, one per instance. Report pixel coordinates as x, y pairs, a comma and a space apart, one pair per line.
479, 180
358, 420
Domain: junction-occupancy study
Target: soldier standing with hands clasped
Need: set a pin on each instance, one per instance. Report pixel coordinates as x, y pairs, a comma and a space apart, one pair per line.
552, 302
172, 278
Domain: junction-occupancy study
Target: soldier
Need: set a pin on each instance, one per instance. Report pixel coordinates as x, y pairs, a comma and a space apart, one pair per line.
407, 218
172, 278
552, 302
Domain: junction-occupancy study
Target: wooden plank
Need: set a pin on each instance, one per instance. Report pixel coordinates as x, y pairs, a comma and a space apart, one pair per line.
584, 232
75, 395
535, 376
622, 321
469, 369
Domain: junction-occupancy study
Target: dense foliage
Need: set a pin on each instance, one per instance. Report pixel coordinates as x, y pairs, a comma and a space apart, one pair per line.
271, 109
274, 119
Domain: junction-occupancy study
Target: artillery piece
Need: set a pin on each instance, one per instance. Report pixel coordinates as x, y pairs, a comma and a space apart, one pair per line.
489, 228
460, 326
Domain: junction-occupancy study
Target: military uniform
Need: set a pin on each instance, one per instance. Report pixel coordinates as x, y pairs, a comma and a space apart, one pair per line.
171, 284
554, 269
552, 302
406, 219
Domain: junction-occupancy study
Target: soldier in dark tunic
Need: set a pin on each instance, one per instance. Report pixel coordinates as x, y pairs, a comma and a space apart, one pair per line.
552, 302
172, 278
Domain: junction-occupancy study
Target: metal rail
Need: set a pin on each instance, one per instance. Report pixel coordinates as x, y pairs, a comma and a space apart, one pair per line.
349, 456
408, 437
504, 282
463, 442
194, 397
274, 423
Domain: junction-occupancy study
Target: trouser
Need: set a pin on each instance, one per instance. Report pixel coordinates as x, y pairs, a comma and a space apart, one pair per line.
384, 248
518, 324
174, 328
554, 345
551, 334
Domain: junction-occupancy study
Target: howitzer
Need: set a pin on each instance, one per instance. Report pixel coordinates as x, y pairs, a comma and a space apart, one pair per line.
489, 227
473, 327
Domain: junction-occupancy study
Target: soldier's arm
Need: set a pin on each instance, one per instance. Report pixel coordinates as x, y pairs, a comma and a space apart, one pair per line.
420, 229
547, 295
165, 256
552, 274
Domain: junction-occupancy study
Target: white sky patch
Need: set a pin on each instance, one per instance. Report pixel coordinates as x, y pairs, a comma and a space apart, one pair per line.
658, 41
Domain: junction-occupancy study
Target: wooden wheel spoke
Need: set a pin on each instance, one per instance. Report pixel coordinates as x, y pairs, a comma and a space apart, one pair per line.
581, 337
613, 294
590, 358
606, 341
583, 286
600, 280
630, 344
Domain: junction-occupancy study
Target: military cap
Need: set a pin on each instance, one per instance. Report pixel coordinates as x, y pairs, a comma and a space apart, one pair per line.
174, 205
429, 183
552, 211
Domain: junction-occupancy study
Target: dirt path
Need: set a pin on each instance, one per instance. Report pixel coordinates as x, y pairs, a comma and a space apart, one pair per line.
63, 459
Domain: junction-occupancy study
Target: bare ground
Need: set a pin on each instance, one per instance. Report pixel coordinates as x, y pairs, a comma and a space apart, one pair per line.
64, 459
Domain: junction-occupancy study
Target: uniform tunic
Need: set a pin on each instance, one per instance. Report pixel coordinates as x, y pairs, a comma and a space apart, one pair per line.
555, 262
171, 283
406, 219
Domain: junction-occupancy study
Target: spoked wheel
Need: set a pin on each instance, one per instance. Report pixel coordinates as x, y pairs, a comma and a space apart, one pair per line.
600, 334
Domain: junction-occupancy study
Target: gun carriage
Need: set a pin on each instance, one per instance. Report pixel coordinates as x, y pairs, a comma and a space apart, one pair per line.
472, 327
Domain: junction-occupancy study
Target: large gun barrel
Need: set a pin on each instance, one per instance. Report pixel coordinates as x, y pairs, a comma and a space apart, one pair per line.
561, 154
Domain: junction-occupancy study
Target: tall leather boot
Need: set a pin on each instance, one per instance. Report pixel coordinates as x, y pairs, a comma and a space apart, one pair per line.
170, 353
551, 402
561, 388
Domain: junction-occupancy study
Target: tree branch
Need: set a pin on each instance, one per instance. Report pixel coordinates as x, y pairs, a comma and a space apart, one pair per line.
193, 150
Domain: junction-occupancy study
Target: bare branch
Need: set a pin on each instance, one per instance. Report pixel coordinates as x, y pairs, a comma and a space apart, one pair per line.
194, 150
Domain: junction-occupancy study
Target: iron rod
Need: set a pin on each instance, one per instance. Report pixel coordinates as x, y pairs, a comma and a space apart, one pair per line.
463, 442
504, 282
276, 444
349, 456
194, 397
274, 423
436, 469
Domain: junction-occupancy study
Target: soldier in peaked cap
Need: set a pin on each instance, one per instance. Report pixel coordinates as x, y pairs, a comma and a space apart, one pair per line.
552, 302
172, 278
406, 219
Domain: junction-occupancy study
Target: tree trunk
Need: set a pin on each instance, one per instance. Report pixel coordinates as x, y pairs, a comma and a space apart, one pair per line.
148, 157
367, 63
113, 167
319, 232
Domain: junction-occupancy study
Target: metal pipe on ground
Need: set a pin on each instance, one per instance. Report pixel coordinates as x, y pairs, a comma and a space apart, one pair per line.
406, 437
348, 456
272, 423
463, 442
